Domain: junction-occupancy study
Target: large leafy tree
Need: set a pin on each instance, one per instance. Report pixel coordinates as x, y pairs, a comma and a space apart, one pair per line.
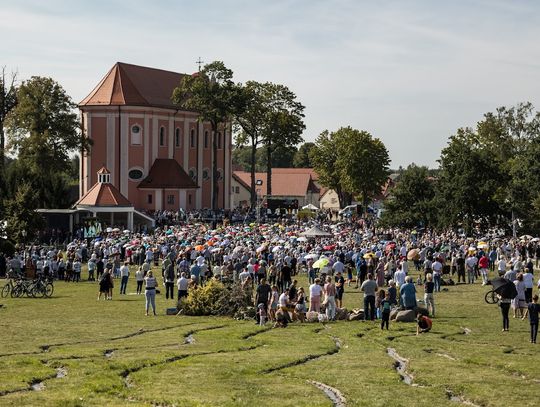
251, 125
43, 130
213, 95
468, 182
411, 203
302, 158
362, 162
23, 222
284, 125
324, 156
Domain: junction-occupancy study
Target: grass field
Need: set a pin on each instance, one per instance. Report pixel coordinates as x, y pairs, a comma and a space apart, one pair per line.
71, 350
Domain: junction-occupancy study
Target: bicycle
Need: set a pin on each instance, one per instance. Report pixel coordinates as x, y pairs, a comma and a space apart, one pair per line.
6, 289
23, 287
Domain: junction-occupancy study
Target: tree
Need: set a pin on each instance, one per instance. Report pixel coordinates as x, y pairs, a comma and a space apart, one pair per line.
250, 124
43, 130
213, 95
411, 203
468, 181
324, 156
23, 222
283, 125
362, 163
302, 157
8, 100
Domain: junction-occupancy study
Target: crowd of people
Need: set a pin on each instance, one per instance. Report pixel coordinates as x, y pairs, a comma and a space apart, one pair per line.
387, 266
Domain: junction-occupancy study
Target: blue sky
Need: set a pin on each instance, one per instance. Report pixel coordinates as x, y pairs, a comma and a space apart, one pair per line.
409, 72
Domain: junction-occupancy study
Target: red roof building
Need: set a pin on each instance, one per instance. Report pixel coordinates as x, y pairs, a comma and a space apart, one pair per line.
159, 157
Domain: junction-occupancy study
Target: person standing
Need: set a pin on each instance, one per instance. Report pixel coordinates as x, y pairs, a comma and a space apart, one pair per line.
437, 272
528, 282
519, 303
429, 286
470, 264
340, 289
330, 298
169, 280
262, 297
369, 288
77, 270
483, 265
139, 277
124, 275
460, 268
150, 291
182, 284
315, 291
91, 269
504, 303
532, 311
385, 308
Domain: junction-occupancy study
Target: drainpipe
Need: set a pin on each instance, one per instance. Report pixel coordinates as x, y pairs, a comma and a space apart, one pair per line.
119, 149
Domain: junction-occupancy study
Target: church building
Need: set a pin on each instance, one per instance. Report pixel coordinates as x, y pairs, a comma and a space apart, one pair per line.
159, 157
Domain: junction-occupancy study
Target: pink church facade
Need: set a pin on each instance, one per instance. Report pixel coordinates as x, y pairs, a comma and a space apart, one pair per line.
159, 157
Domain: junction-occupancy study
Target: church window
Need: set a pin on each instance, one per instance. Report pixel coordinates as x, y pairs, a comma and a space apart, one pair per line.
170, 199
135, 174
162, 136
192, 139
177, 137
205, 139
136, 135
219, 140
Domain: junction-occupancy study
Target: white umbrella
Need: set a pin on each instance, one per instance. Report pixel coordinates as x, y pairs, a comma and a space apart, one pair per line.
127, 231
116, 230
311, 207
302, 239
536, 239
108, 230
312, 256
276, 249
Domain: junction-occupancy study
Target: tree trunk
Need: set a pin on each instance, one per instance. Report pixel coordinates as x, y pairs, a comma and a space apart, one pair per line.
269, 170
253, 157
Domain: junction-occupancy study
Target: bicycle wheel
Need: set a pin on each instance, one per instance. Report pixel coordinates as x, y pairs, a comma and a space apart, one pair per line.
37, 290
49, 289
5, 290
16, 291
491, 297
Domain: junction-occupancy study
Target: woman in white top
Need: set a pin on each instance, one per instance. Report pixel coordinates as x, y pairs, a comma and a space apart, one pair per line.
150, 283
315, 291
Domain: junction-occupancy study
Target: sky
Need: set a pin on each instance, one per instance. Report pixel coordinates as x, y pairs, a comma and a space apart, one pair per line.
409, 72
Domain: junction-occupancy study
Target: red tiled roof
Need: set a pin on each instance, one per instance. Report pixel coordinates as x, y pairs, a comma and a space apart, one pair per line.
284, 183
103, 194
134, 85
310, 171
167, 173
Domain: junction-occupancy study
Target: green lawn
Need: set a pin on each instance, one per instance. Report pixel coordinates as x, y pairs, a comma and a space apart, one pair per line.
108, 353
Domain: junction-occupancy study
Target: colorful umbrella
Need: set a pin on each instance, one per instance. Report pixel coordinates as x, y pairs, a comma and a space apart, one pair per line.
321, 263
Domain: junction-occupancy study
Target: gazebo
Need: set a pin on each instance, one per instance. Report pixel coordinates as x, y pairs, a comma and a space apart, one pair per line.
107, 203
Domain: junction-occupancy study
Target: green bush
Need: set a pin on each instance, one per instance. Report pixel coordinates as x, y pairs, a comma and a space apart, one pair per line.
304, 214
214, 298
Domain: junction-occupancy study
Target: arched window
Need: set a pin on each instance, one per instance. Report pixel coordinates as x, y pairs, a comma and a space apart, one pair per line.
177, 137
206, 174
162, 136
136, 135
192, 138
193, 174
205, 139
219, 174
219, 140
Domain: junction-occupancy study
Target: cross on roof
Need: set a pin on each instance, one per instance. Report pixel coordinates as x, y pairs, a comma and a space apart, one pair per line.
199, 62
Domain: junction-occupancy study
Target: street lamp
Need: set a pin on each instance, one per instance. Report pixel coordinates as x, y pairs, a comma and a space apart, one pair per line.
259, 183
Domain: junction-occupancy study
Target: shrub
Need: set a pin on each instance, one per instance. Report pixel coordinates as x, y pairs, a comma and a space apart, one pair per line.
215, 298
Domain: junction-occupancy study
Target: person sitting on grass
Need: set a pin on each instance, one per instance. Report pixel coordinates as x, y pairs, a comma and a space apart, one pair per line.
423, 324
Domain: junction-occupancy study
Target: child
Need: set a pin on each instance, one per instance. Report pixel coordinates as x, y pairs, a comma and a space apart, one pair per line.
274, 296
385, 307
533, 309
262, 315
423, 324
378, 301
300, 307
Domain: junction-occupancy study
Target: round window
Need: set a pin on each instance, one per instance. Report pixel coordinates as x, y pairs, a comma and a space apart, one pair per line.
192, 174
135, 129
206, 174
135, 174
